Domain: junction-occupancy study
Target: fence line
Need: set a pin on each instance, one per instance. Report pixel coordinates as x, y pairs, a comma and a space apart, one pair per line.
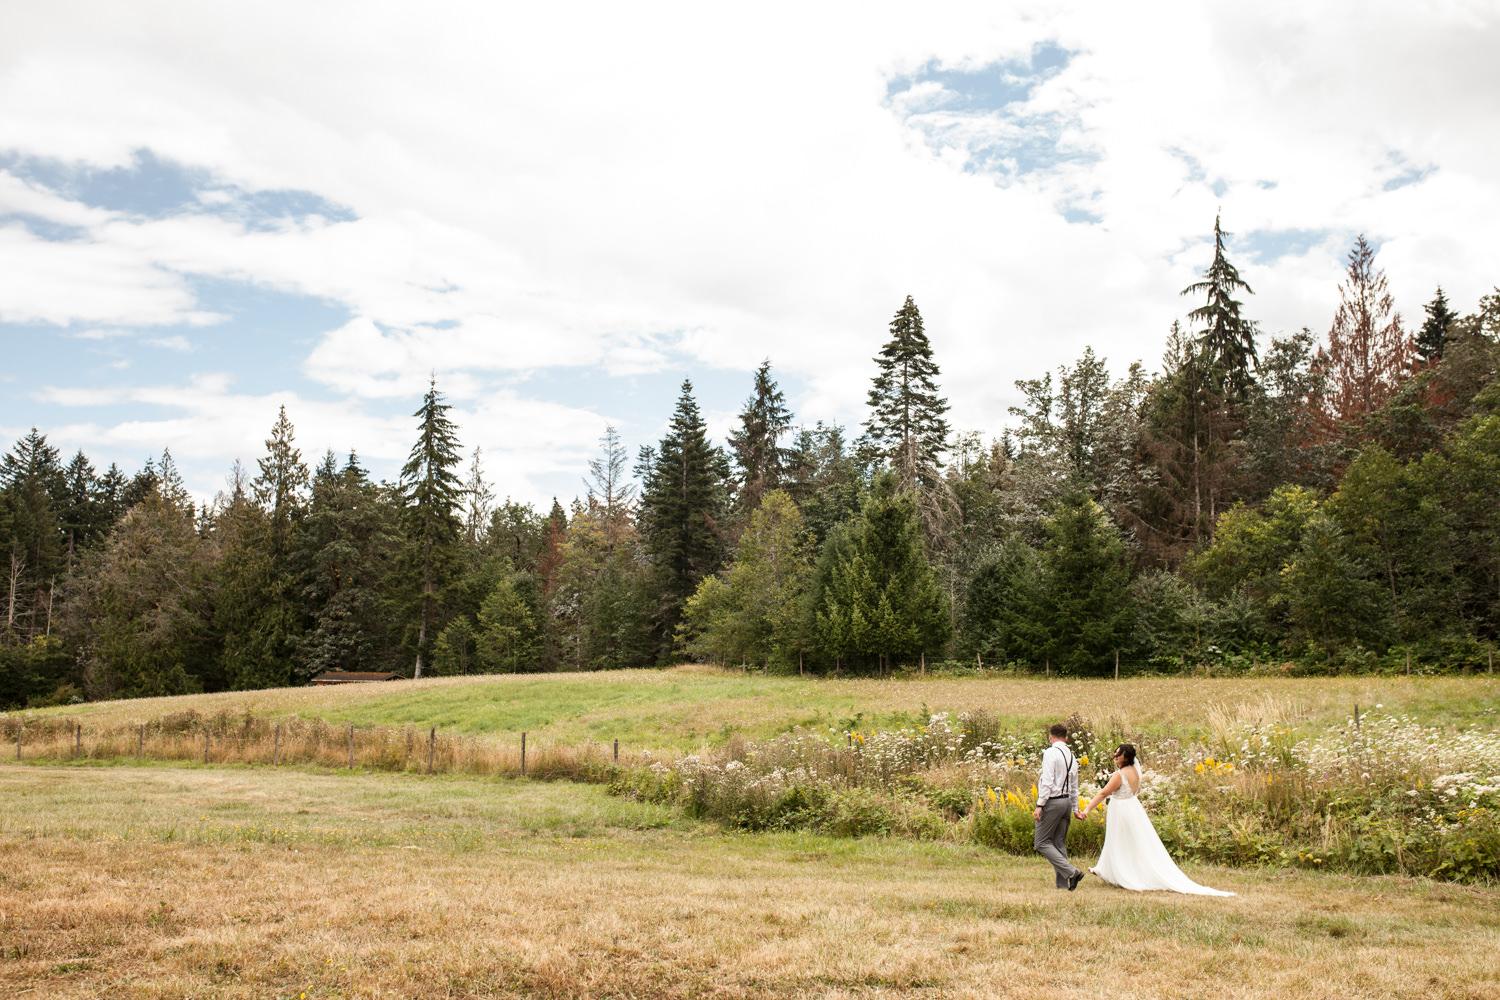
229, 739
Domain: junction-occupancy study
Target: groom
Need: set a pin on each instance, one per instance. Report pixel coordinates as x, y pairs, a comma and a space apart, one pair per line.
1056, 797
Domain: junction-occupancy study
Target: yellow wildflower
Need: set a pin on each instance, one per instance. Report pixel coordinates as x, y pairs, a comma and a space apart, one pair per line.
1084, 760
990, 794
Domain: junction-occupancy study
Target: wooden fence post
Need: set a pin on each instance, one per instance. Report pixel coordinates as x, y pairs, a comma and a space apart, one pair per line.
1049, 666
523, 755
617, 751
77, 739
140, 741
1117, 664
431, 746
924, 663
411, 738
19, 728
276, 750
205, 746
351, 746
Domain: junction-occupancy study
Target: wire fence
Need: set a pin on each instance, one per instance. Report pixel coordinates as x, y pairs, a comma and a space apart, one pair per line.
248, 739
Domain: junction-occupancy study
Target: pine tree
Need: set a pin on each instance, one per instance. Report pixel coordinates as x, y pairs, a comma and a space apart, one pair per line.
258, 610
756, 444
906, 428
432, 495
824, 479
1004, 615
279, 486
1087, 588
33, 488
138, 606
754, 612
682, 507
347, 542
876, 599
1433, 336
553, 534
82, 514
1368, 353
170, 485
506, 638
1228, 339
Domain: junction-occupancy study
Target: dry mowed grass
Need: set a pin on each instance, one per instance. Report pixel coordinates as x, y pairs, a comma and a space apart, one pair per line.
683, 708
239, 882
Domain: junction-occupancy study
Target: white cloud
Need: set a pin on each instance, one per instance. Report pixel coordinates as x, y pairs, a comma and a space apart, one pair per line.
678, 183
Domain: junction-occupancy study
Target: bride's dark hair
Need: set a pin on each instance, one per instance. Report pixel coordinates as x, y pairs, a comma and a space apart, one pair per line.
1128, 752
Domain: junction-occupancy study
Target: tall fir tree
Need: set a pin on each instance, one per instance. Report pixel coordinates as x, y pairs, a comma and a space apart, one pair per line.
1433, 336
33, 488
683, 499
1228, 339
756, 443
432, 495
1087, 588
907, 429
348, 540
876, 600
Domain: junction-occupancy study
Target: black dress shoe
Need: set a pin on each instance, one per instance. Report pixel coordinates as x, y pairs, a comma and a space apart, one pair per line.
1073, 882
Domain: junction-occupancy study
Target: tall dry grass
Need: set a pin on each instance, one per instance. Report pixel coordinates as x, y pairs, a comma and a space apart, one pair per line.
249, 739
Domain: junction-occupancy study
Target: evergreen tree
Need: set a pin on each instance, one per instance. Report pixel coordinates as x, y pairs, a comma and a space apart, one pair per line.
1228, 339
82, 514
138, 610
171, 487
824, 478
1433, 335
554, 532
142, 485
682, 507
33, 489
112, 506
906, 429
1087, 588
876, 599
1332, 601
506, 638
754, 612
1004, 614
347, 542
756, 444
432, 495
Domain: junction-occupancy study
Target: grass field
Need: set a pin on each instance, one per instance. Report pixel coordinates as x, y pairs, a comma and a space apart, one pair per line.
175, 882
685, 707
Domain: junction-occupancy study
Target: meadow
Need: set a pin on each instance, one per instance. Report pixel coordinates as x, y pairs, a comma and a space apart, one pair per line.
760, 836
687, 707
177, 881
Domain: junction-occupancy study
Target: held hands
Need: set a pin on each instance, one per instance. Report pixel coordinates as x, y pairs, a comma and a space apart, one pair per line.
1036, 814
1080, 813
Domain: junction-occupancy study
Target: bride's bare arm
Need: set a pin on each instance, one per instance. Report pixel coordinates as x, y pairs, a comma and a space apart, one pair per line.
1110, 787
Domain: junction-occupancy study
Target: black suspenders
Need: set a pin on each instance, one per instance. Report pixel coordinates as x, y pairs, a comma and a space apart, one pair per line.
1067, 774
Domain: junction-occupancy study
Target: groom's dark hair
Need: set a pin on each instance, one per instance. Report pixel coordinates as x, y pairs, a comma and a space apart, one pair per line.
1059, 730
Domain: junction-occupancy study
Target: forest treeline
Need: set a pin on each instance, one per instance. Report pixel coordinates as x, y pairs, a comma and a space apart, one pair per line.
1322, 501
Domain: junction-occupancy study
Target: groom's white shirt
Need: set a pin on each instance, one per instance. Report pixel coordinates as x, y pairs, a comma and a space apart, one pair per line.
1059, 774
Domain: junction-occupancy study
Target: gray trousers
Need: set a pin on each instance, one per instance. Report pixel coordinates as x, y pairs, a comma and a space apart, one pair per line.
1051, 840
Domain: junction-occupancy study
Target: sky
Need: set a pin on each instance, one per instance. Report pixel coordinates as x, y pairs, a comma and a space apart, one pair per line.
209, 211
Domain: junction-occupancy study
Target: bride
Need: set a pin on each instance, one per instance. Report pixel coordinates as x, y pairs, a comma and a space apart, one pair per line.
1133, 856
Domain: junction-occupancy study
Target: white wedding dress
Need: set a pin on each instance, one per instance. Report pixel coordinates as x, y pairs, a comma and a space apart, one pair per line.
1133, 856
